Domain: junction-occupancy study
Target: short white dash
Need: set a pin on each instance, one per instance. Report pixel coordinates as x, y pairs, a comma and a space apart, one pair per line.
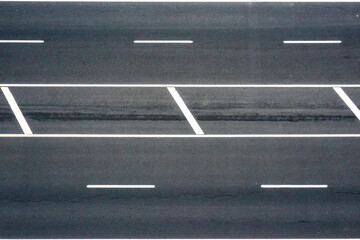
313, 42
120, 186
195, 126
21, 41
348, 101
16, 110
294, 186
164, 41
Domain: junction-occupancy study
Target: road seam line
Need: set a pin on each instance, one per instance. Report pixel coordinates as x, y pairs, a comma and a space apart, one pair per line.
185, 110
16, 110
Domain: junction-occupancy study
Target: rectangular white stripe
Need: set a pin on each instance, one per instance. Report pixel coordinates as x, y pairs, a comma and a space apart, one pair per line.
66, 85
120, 186
163, 41
294, 186
204, 1
21, 41
195, 126
348, 101
313, 42
16, 110
180, 136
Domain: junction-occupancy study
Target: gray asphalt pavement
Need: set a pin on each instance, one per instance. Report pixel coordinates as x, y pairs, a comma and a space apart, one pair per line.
205, 187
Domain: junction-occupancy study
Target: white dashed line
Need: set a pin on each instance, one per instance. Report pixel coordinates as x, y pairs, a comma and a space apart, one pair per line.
21, 41
164, 41
195, 126
348, 101
294, 186
16, 110
313, 42
120, 186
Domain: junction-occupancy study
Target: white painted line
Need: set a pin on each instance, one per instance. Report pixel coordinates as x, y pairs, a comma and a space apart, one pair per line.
21, 41
65, 85
191, 1
164, 41
180, 136
348, 101
16, 110
313, 42
195, 126
294, 186
120, 186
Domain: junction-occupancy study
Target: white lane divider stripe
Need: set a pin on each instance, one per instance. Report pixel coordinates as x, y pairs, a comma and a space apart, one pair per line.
120, 186
180, 136
293, 186
313, 42
195, 126
164, 41
21, 41
348, 101
16, 110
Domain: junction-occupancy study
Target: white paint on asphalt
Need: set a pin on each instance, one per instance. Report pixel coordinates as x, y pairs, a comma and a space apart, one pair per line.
313, 42
190, 1
164, 41
66, 85
180, 136
293, 186
348, 101
120, 186
21, 41
16, 110
195, 126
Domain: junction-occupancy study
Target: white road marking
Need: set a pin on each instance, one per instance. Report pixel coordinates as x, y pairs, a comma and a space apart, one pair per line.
120, 186
16, 110
313, 42
195, 126
294, 186
180, 136
21, 41
65, 85
348, 101
190, 1
164, 41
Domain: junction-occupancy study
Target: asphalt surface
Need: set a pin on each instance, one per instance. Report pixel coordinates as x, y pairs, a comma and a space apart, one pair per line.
205, 187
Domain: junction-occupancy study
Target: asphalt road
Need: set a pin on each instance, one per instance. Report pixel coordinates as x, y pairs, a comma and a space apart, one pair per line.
205, 187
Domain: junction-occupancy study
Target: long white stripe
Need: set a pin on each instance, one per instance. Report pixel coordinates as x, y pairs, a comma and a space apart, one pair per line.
120, 186
313, 42
65, 85
195, 126
21, 41
180, 136
348, 101
204, 1
163, 41
16, 110
294, 186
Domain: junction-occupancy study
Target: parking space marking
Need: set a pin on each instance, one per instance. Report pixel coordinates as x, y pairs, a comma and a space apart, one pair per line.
195, 126
16, 110
348, 101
